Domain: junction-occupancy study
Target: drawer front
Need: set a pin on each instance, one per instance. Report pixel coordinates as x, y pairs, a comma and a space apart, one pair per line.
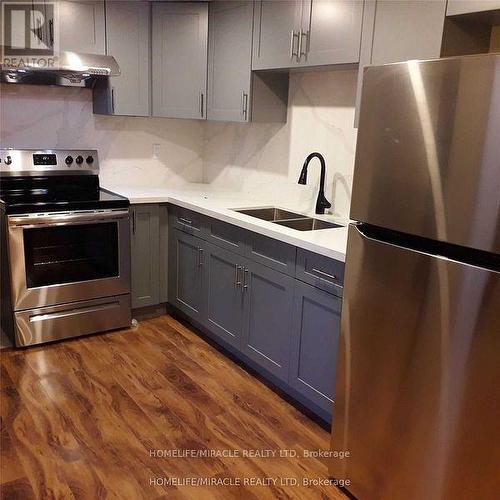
225, 235
271, 253
320, 271
186, 220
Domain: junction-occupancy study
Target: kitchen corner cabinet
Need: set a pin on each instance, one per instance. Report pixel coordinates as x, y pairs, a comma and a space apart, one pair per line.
306, 33
315, 338
145, 248
399, 30
82, 26
128, 41
179, 59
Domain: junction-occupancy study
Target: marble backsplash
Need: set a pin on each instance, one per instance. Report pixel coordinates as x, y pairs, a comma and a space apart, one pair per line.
261, 160
61, 117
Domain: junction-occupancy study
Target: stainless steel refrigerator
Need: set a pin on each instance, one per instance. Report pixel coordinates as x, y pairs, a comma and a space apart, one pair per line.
417, 402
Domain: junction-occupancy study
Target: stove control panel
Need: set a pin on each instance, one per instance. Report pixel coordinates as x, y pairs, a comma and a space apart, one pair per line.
23, 161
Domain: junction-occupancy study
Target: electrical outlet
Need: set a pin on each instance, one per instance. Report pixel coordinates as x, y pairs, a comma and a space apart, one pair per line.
155, 151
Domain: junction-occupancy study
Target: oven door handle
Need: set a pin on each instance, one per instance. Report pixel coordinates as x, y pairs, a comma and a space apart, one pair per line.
66, 219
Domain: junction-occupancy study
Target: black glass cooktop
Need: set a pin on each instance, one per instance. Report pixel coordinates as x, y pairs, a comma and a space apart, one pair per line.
20, 195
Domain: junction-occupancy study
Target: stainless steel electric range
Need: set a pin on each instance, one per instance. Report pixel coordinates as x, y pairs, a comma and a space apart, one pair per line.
65, 247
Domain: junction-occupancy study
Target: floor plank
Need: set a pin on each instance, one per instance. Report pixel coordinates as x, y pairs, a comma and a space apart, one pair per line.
82, 419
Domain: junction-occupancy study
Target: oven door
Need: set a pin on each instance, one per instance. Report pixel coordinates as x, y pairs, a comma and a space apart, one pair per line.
67, 257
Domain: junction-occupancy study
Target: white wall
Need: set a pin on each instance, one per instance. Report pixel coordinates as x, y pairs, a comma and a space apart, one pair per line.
263, 160
61, 117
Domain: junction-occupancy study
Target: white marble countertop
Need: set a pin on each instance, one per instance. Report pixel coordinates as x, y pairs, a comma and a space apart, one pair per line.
221, 204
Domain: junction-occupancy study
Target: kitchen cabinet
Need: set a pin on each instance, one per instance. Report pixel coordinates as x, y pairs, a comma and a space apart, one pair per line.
230, 60
306, 33
268, 312
186, 289
330, 32
399, 30
458, 7
179, 59
315, 338
128, 41
82, 26
145, 237
225, 294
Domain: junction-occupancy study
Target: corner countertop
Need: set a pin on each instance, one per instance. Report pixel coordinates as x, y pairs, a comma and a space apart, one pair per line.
221, 204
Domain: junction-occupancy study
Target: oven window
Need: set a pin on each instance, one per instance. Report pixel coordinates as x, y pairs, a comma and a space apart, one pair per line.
68, 254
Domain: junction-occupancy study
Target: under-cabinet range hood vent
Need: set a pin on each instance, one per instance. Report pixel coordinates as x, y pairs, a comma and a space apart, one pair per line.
70, 69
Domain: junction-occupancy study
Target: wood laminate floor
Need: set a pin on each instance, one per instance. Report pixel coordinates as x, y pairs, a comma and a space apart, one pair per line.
79, 419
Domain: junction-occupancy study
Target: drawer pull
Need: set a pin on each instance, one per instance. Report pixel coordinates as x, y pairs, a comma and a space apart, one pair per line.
328, 275
185, 221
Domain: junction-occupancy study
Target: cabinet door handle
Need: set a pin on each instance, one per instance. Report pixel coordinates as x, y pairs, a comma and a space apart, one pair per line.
133, 222
328, 275
51, 32
200, 256
237, 281
113, 100
302, 44
244, 105
293, 54
245, 279
202, 104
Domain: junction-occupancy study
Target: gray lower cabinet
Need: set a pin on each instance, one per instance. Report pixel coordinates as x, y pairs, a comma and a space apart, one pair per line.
223, 274
315, 338
145, 237
179, 59
268, 317
186, 282
128, 41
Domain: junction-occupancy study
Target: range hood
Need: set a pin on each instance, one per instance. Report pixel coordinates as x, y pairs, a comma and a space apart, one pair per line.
71, 69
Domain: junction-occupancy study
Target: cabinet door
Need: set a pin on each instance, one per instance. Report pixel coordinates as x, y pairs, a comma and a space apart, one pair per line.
179, 59
145, 243
407, 29
127, 40
230, 60
315, 337
185, 274
331, 32
225, 297
456, 7
268, 316
82, 26
276, 34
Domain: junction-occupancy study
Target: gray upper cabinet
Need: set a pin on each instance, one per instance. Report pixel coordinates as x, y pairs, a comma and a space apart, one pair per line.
223, 274
179, 59
185, 277
145, 255
399, 30
276, 33
457, 7
230, 60
330, 32
128, 41
315, 338
268, 317
82, 26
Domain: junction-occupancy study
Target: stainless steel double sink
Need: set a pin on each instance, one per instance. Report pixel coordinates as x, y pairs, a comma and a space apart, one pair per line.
285, 218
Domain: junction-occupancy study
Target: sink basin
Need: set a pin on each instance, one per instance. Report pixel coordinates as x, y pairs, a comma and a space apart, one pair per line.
270, 214
307, 224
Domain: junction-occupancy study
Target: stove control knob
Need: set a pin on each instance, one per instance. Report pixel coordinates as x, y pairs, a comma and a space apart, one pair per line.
90, 160
68, 160
8, 160
79, 159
